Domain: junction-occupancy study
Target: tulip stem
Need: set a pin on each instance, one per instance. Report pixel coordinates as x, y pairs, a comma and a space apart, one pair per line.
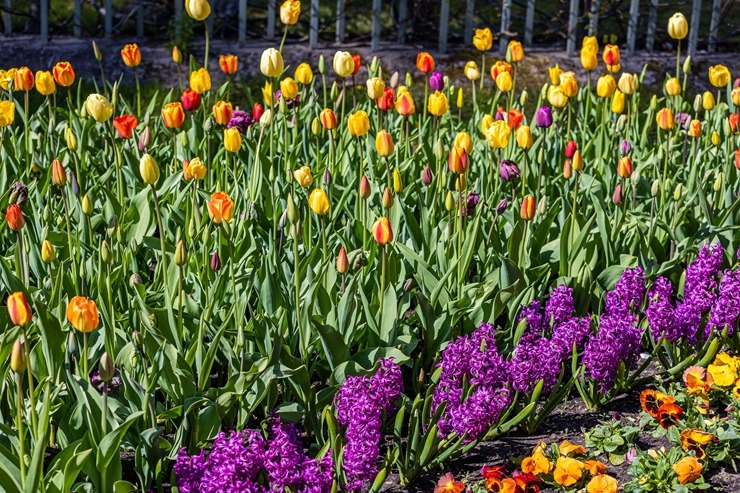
282, 42
31, 385
383, 269
104, 429
69, 241
19, 426
208, 46
459, 238
482, 72
574, 211
179, 302
297, 279
665, 171
161, 241
323, 235
523, 249
678, 58
138, 93
83, 357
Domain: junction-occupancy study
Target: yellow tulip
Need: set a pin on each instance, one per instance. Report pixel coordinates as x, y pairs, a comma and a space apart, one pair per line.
524, 137
319, 202
719, 75
569, 84
555, 75
267, 93
618, 102
605, 86
516, 51
148, 169
375, 87
504, 82
678, 27
232, 139
437, 103
289, 12
198, 9
462, 139
471, 71
6, 77
483, 39
343, 64
98, 107
45, 83
304, 74
589, 53
384, 143
358, 123
673, 87
627, 83
498, 134
196, 168
48, 254
200, 81
485, 123
271, 63
303, 176
556, 97
288, 88
7, 113
707, 100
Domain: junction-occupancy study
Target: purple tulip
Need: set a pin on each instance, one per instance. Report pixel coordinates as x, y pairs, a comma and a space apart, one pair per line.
625, 147
683, 119
617, 195
436, 81
543, 117
500, 114
472, 201
736, 84
215, 261
501, 207
241, 120
426, 175
508, 170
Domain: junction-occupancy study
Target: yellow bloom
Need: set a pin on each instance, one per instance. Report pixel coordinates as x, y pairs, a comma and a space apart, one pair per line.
556, 97
536, 464
267, 93
498, 134
678, 28
673, 87
289, 12
462, 139
98, 107
45, 83
6, 77
707, 100
627, 83
516, 51
618, 102
602, 483
232, 139
196, 168
719, 75
200, 81
567, 471
271, 63
198, 9
569, 84
555, 75
605, 86
524, 137
319, 202
471, 71
483, 39
375, 87
589, 53
48, 254
485, 123
304, 74
148, 169
504, 82
437, 103
343, 64
7, 113
358, 123
303, 176
288, 88
384, 143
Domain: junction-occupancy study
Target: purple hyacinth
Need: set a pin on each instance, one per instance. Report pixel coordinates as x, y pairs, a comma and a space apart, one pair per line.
726, 308
472, 201
543, 117
534, 360
508, 170
560, 306
627, 293
436, 81
660, 312
360, 404
573, 331
241, 120
535, 320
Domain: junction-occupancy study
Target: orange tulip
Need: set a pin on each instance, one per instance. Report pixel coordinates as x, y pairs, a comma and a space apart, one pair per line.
528, 208
19, 309
405, 103
424, 62
173, 115
665, 119
611, 58
229, 64
382, 231
131, 55
385, 101
64, 74
82, 313
125, 125
516, 50
328, 119
58, 175
222, 112
14, 216
220, 207
457, 161
23, 80
499, 67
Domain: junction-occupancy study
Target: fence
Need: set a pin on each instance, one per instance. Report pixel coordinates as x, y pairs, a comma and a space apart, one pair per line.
140, 7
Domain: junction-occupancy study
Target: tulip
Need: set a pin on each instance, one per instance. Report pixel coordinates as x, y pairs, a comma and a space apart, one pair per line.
365, 190
426, 175
98, 107
567, 169
716, 140
707, 100
48, 254
589, 53
569, 84
387, 198
618, 102
424, 62
6, 77
382, 231
18, 361
457, 161
358, 63
611, 58
45, 83
266, 118
148, 169
624, 167
673, 87
678, 27
64, 74
271, 63
319, 202
625, 147
190, 100
196, 169
288, 88
627, 83
471, 71
14, 217
232, 139
7, 113
23, 80
384, 143
200, 81
405, 102
735, 97
328, 119
543, 117
358, 123
303, 74
664, 118
229, 64
343, 64
19, 309
617, 195
82, 313
289, 12
516, 51
303, 176
719, 75
437, 105
737, 158
528, 208
176, 55
125, 125
555, 75
131, 55
220, 207
385, 102
556, 97
734, 121
173, 115
199, 10
498, 134
58, 175
462, 139
483, 39
606, 86
145, 139
504, 82
499, 67
436, 81
375, 87
342, 261
508, 170
222, 112
267, 93
524, 137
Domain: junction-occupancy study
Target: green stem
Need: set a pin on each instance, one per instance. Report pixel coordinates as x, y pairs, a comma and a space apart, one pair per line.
104, 429
31, 384
208, 46
383, 269
25, 134
69, 241
83, 357
19, 426
138, 93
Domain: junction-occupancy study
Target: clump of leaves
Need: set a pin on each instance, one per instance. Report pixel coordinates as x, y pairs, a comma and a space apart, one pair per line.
661, 472
613, 439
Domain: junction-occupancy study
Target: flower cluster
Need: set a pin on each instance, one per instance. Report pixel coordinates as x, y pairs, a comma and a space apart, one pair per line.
618, 338
360, 404
239, 462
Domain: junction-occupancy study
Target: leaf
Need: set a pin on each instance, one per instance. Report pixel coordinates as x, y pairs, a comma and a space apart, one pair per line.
388, 316
110, 444
65, 467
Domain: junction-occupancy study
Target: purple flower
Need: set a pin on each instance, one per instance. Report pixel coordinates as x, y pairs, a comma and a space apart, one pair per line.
535, 321
660, 311
289, 103
436, 81
501, 206
508, 170
683, 120
534, 360
500, 114
543, 117
726, 308
566, 334
625, 147
560, 307
241, 120
472, 201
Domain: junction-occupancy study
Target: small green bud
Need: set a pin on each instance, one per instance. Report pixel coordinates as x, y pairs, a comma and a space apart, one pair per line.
181, 254
524, 98
449, 202
322, 65
687, 65
717, 186
439, 150
105, 252
292, 210
655, 188
106, 368
677, 192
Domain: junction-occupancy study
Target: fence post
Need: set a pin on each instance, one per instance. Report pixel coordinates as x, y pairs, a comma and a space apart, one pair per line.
77, 19
572, 25
242, 21
593, 22
632, 26
44, 21
270, 19
694, 27
313, 34
6, 18
140, 20
444, 24
529, 23
403, 9
714, 26
178, 20
469, 14
503, 40
652, 20
341, 21
375, 44
108, 18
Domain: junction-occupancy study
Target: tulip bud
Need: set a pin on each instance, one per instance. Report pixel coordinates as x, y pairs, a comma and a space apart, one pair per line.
96, 51
58, 175
625, 147
87, 207
334, 92
327, 177
387, 198
617, 195
654, 102
322, 65
542, 205
397, 181
48, 254
409, 80
181, 254
677, 192
501, 206
215, 261
106, 368
439, 150
461, 183
523, 98
449, 202
71, 139
176, 55
134, 280
707, 100
655, 188
266, 118
112, 226
148, 169
292, 210
577, 161
687, 65
342, 261
394, 80
18, 361
374, 65
716, 140
698, 103
567, 169
365, 187
621, 123
426, 175
570, 148
527, 210
316, 126
296, 230
717, 185
105, 253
